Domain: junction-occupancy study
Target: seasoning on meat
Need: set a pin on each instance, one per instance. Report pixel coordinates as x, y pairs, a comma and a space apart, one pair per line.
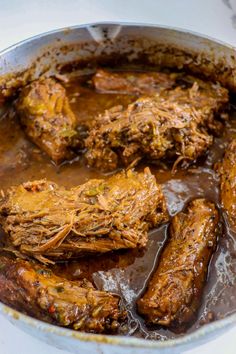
174, 292
177, 123
45, 221
132, 83
47, 118
227, 170
38, 292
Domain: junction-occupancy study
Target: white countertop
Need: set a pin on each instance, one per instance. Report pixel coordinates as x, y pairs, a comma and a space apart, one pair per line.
20, 19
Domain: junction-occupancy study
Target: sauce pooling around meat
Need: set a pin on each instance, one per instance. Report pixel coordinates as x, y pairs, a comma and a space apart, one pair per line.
127, 273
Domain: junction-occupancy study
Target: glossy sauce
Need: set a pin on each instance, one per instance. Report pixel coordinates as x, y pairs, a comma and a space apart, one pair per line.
127, 272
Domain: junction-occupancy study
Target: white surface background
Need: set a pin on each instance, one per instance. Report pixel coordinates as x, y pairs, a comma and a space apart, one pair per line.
20, 19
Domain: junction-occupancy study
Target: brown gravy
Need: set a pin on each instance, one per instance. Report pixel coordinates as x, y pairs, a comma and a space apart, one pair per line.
127, 272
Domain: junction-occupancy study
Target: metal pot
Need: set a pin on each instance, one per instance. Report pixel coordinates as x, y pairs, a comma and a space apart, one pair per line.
82, 48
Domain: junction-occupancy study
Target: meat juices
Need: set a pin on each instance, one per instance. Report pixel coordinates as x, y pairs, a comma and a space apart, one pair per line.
47, 118
175, 123
38, 292
174, 292
75, 227
46, 221
227, 170
128, 83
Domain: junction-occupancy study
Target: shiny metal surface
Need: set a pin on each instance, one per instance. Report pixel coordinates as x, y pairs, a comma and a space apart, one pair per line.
47, 53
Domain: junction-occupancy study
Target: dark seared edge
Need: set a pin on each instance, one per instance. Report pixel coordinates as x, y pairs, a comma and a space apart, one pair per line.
227, 170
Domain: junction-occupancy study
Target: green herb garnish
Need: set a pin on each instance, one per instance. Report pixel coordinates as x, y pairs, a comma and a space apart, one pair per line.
45, 272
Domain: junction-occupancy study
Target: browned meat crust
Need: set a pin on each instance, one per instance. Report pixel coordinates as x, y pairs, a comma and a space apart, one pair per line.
45, 220
132, 82
176, 122
174, 292
227, 170
38, 292
48, 120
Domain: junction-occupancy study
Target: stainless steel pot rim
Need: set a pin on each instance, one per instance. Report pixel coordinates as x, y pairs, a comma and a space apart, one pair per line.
111, 23
123, 341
